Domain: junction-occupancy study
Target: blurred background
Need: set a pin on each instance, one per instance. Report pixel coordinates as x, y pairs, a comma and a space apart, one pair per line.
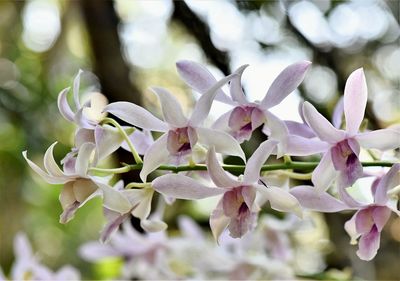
127, 46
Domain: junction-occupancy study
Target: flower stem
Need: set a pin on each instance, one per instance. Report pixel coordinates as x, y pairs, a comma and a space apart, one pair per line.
135, 154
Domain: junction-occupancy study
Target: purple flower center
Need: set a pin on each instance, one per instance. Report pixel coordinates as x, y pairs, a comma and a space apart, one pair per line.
243, 120
181, 140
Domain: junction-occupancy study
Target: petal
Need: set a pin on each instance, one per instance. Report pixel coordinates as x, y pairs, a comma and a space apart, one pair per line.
278, 129
155, 156
69, 212
153, 225
111, 227
387, 182
172, 110
369, 244
114, 200
217, 174
300, 146
50, 164
236, 90
221, 141
83, 159
381, 215
183, 187
141, 140
81, 120
76, 89
48, 178
108, 139
222, 123
364, 221
337, 116
324, 173
281, 200
299, 129
383, 139
136, 115
350, 227
322, 202
199, 78
83, 135
203, 105
22, 247
286, 82
63, 105
218, 221
322, 128
83, 189
255, 162
143, 208
355, 100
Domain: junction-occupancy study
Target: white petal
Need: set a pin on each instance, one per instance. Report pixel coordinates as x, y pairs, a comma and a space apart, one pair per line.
172, 110
48, 178
113, 199
155, 156
108, 139
355, 100
153, 225
136, 115
76, 89
83, 159
203, 105
383, 139
141, 199
218, 221
222, 123
322, 127
286, 82
50, 164
255, 162
324, 173
199, 78
183, 187
63, 105
217, 174
236, 86
281, 200
221, 141
300, 146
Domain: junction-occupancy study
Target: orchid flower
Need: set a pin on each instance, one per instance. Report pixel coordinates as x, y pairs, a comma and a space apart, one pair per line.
341, 157
181, 134
236, 209
79, 186
246, 116
140, 201
368, 222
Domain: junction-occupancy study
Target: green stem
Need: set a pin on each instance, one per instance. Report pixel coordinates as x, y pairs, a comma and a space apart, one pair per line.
302, 166
135, 154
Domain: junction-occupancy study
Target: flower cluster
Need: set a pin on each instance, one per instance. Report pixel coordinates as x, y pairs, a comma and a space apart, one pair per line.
186, 144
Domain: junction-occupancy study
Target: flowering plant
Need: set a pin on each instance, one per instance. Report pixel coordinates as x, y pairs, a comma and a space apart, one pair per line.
186, 145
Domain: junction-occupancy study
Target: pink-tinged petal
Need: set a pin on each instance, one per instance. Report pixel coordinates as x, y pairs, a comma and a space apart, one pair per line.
199, 78
281, 200
337, 116
369, 244
299, 129
324, 173
255, 162
322, 128
242, 223
111, 227
383, 139
48, 178
353, 171
114, 199
143, 205
94, 251
301, 146
381, 215
286, 82
218, 221
364, 221
141, 140
182, 187
108, 139
190, 229
222, 123
232, 201
136, 115
50, 164
354, 146
155, 156
153, 225
69, 212
344, 195
63, 105
217, 174
221, 141
387, 182
172, 110
350, 227
76, 89
82, 136
83, 159
203, 105
236, 90
249, 196
321, 202
355, 100
84, 190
